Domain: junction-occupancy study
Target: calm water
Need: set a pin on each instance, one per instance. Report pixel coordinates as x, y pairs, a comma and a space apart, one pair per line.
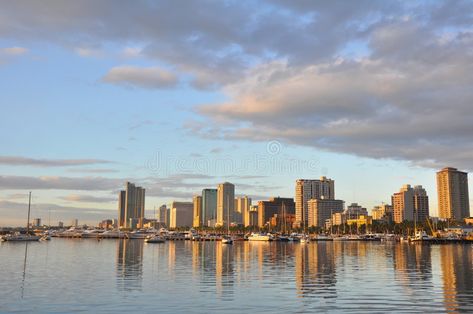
72, 275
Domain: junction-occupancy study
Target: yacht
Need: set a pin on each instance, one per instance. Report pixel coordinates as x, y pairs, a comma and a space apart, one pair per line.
227, 240
260, 237
19, 237
155, 239
142, 233
113, 234
420, 235
96, 233
323, 237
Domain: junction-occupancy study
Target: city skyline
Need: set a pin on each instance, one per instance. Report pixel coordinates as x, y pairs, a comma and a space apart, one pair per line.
374, 95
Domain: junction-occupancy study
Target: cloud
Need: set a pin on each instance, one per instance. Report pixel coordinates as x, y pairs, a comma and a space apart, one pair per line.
41, 162
88, 198
92, 170
150, 78
9, 53
13, 51
59, 183
88, 52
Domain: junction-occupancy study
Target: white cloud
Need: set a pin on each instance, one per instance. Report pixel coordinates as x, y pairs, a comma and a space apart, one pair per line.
13, 51
132, 76
43, 162
88, 52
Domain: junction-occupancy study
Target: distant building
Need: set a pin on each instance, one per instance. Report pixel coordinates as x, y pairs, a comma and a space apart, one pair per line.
163, 215
311, 189
410, 203
276, 212
354, 210
320, 210
60, 224
243, 205
131, 206
181, 214
383, 212
360, 220
253, 216
209, 207
225, 204
37, 222
452, 191
197, 211
75, 223
338, 219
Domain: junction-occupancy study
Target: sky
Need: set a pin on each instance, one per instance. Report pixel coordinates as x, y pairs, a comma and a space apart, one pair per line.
177, 96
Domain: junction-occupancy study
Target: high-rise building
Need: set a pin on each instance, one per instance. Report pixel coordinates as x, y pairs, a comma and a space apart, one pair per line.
253, 216
311, 189
282, 209
452, 190
319, 210
131, 206
209, 207
181, 214
37, 222
410, 203
243, 205
121, 208
163, 215
197, 212
225, 204
421, 203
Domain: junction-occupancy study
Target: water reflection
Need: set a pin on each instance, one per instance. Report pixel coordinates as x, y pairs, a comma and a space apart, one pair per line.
129, 264
457, 272
413, 266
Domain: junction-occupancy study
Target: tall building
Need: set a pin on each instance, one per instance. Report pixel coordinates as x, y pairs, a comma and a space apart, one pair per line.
410, 203
181, 214
452, 191
197, 213
131, 206
121, 208
421, 203
279, 208
243, 205
163, 215
209, 207
225, 204
311, 189
37, 222
319, 210
253, 216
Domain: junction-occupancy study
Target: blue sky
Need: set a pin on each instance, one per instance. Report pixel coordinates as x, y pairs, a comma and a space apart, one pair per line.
178, 98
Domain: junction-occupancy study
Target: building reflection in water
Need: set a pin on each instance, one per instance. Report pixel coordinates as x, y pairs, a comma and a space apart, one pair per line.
130, 264
456, 263
315, 269
413, 266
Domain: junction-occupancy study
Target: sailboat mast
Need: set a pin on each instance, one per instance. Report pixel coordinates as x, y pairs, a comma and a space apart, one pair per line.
28, 220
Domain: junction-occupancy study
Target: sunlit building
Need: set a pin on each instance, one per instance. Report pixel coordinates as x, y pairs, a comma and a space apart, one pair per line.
322, 209
225, 204
383, 212
452, 191
131, 206
197, 201
410, 203
277, 212
181, 214
306, 190
243, 205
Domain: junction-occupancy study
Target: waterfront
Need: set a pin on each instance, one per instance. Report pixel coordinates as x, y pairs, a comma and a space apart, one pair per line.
74, 275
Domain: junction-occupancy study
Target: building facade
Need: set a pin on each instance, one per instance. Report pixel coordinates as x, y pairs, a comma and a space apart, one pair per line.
197, 212
383, 212
225, 204
163, 215
410, 204
276, 212
452, 191
209, 207
319, 210
243, 205
181, 214
306, 190
131, 206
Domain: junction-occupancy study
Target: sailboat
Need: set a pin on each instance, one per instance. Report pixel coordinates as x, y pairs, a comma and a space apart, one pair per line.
227, 239
23, 237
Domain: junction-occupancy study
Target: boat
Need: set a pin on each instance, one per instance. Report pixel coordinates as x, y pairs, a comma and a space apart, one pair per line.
227, 240
420, 236
323, 237
142, 233
260, 237
19, 237
113, 234
95, 233
155, 239
305, 239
